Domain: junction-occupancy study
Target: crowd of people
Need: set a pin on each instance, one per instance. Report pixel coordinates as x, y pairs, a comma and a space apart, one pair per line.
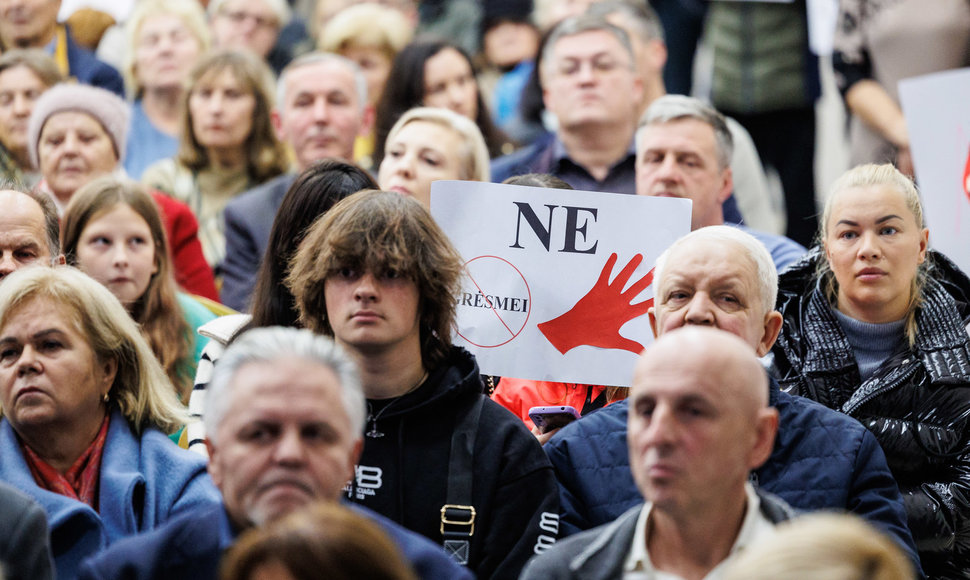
227, 313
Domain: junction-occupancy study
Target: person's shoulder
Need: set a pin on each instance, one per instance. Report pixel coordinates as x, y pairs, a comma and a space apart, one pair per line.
601, 422
817, 419
271, 192
520, 161
784, 251
427, 558
196, 313
188, 543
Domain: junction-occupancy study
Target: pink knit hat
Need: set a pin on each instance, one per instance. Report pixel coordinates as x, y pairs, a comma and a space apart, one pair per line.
109, 110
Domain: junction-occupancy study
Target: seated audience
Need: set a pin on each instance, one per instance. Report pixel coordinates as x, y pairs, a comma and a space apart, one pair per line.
251, 25
876, 327
164, 40
378, 274
78, 133
24, 76
285, 427
113, 232
86, 409
325, 536
227, 143
427, 144
720, 276
822, 546
700, 424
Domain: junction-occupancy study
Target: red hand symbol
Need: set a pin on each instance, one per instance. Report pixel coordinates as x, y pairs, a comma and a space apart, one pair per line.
598, 316
966, 178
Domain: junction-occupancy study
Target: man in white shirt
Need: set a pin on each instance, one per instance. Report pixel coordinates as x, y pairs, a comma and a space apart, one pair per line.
699, 422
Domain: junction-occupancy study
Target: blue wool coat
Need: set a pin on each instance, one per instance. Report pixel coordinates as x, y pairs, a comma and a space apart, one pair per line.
144, 481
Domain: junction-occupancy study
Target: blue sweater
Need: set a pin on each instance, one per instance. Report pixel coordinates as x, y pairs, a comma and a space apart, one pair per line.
144, 481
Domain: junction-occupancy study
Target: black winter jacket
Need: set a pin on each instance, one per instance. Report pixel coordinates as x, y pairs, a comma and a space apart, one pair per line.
403, 474
917, 403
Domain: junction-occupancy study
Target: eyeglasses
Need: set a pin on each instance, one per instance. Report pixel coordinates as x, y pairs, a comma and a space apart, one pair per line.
240, 16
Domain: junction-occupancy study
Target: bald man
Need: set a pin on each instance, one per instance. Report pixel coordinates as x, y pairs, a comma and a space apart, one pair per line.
722, 277
29, 231
700, 424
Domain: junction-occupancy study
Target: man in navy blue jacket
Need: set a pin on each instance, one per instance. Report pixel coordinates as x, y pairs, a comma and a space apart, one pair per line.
722, 277
285, 421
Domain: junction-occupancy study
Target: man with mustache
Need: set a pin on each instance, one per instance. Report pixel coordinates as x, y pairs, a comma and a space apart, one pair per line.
321, 108
285, 421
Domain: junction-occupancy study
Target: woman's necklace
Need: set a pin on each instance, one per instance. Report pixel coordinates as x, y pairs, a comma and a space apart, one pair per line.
373, 433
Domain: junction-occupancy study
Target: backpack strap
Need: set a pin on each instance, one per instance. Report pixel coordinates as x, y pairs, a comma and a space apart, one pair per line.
458, 513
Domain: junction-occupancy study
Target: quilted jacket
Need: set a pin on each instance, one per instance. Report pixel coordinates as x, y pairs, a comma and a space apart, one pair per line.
821, 460
917, 403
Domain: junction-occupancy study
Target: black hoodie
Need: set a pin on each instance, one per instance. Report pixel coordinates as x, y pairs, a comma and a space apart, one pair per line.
403, 473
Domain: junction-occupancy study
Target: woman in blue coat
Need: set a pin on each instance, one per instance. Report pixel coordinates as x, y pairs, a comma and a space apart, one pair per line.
86, 409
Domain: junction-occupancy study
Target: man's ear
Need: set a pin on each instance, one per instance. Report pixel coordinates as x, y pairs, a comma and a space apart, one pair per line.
214, 467
61, 260
652, 315
766, 426
727, 185
773, 322
276, 118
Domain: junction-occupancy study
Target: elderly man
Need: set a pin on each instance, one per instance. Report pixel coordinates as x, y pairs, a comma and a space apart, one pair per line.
250, 25
321, 109
33, 24
701, 423
721, 277
285, 419
29, 230
684, 150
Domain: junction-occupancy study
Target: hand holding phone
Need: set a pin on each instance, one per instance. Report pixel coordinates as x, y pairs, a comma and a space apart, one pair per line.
552, 417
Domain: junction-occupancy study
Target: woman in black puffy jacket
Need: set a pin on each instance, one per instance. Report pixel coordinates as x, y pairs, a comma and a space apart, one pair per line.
876, 327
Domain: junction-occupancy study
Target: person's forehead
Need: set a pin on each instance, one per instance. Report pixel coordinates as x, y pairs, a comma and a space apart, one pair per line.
258, 386
260, 7
587, 43
711, 261
320, 78
21, 210
687, 134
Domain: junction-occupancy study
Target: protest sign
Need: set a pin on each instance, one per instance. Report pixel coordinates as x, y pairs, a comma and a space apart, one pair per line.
938, 120
557, 282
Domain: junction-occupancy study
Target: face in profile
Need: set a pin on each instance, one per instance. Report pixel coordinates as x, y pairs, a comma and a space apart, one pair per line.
449, 83
874, 247
421, 152
285, 441
74, 149
117, 249
222, 109
50, 378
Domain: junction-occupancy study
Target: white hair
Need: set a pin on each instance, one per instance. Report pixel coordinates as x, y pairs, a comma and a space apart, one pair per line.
273, 343
752, 248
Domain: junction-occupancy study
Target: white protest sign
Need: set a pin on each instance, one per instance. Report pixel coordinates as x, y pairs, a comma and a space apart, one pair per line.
938, 119
557, 282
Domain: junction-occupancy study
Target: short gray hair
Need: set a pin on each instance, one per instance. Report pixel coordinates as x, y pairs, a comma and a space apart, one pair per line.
280, 8
264, 345
52, 220
676, 107
639, 15
585, 23
752, 248
312, 58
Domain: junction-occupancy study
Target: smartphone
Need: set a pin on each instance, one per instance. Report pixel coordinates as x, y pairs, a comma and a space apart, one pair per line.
554, 417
